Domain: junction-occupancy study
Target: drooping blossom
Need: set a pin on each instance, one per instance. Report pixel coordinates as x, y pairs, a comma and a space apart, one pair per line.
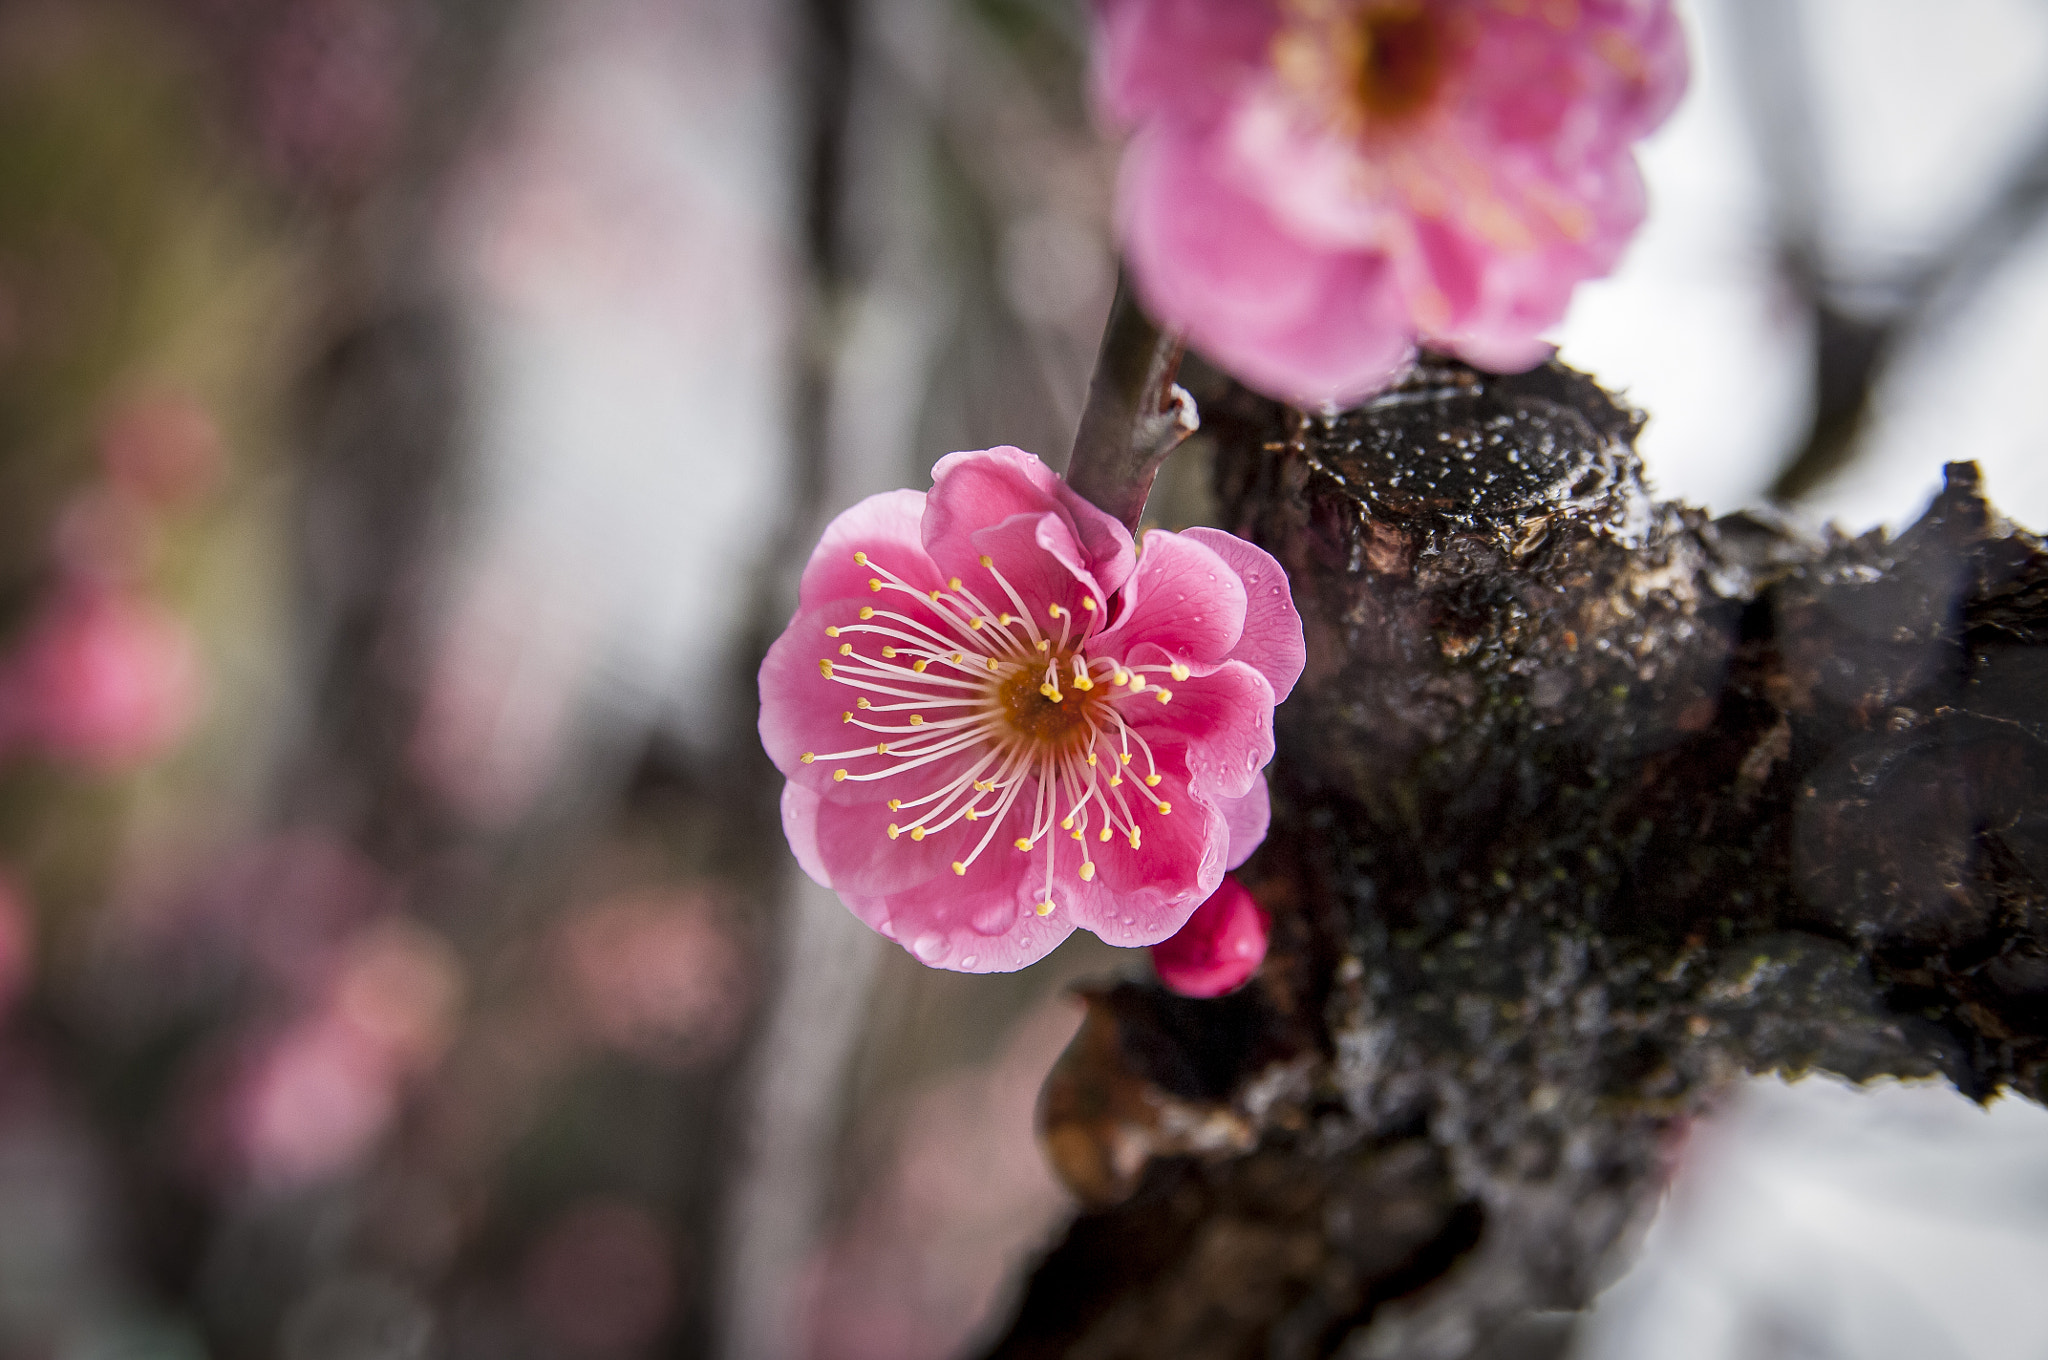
1219, 948
104, 679
999, 721
1314, 186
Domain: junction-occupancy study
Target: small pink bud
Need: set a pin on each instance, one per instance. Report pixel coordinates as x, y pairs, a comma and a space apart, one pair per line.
1219, 948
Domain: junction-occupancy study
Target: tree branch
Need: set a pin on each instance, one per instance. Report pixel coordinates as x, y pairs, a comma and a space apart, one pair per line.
1136, 414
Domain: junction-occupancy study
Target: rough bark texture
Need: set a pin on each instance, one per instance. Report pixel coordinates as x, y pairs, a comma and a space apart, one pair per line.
1585, 806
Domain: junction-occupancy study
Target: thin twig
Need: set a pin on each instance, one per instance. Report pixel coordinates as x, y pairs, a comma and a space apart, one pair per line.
1136, 412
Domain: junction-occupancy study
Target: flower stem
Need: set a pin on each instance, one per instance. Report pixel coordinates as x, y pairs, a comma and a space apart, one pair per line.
1136, 413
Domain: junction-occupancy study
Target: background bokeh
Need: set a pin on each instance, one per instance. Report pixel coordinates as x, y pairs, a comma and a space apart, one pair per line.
412, 416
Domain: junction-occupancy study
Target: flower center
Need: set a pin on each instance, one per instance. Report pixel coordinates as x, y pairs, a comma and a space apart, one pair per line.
1399, 62
984, 717
1038, 718
1366, 66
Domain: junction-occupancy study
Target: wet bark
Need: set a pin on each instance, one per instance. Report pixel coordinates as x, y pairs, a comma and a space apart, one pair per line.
1585, 806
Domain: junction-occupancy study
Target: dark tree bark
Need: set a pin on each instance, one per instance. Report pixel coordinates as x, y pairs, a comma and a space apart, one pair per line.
1585, 806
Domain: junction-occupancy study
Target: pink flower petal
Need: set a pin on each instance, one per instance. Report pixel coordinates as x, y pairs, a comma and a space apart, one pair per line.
1207, 719
1183, 598
972, 491
1178, 56
1297, 321
800, 828
887, 526
1271, 642
1248, 816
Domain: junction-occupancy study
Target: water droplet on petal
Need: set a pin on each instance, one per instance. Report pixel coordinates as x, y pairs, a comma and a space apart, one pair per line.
928, 947
969, 961
888, 930
994, 918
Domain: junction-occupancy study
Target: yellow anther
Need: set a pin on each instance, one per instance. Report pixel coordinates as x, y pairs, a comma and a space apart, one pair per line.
982, 786
953, 584
838, 776
1023, 842
1165, 696
825, 668
1124, 756
959, 657
874, 583
1066, 824
1178, 670
1103, 834
973, 816
1116, 781
1044, 646
919, 666
976, 622
1043, 908
862, 702
1091, 760
1088, 603
1134, 838
917, 720
847, 716
894, 831
935, 596
895, 803
1151, 781
881, 748
1053, 610
860, 559
917, 833
1081, 680
1087, 871
889, 651
1002, 620
807, 757
867, 611
831, 631
1122, 676
958, 867
1075, 834
1135, 681
991, 663
987, 561
1165, 808
846, 649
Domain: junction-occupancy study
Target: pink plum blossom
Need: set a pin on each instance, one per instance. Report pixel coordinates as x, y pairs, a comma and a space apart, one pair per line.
1219, 948
1314, 186
999, 721
104, 679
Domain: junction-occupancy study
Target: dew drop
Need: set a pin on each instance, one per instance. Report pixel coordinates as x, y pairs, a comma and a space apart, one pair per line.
969, 961
888, 930
928, 947
995, 918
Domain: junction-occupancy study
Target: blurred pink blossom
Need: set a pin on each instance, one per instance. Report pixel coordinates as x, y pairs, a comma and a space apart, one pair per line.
1315, 185
17, 944
999, 722
656, 976
602, 1280
104, 679
1219, 948
314, 1098
330, 88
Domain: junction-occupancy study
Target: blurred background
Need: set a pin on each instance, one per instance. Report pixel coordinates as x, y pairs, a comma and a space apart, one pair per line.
413, 414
